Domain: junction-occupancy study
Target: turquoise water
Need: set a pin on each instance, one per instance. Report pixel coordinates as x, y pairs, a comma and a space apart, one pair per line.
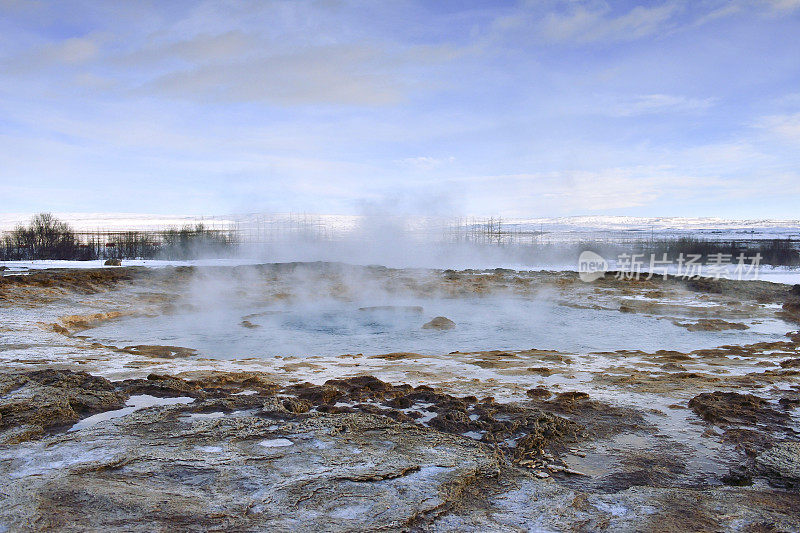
333, 328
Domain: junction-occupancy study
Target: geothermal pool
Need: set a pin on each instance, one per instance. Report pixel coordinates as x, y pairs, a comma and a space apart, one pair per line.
334, 327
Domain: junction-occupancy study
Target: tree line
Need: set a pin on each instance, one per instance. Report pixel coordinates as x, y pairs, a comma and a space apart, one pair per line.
46, 237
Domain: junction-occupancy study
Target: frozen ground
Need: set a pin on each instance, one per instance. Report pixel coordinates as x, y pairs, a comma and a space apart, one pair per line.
592, 394
784, 275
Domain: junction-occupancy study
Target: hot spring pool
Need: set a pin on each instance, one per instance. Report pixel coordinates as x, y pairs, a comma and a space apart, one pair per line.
334, 328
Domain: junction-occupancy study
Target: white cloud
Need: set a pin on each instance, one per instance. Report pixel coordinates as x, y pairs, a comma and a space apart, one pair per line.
659, 103
585, 26
71, 52
581, 22
785, 5
74, 50
337, 74
425, 162
786, 127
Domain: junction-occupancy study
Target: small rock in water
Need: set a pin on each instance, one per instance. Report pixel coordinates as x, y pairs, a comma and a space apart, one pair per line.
113, 262
539, 393
394, 308
440, 322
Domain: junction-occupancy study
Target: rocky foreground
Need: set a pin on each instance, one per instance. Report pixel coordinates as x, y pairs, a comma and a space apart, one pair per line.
182, 447
238, 453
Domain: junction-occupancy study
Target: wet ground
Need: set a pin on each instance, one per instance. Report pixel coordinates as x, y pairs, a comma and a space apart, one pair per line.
631, 403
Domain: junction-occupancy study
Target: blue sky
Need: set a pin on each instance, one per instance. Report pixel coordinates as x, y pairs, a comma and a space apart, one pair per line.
521, 109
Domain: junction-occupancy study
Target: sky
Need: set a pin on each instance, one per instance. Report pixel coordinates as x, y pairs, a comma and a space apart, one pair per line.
510, 108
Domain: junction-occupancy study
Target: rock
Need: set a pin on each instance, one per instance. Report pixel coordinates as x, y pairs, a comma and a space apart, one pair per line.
113, 262
570, 397
789, 403
539, 393
393, 308
293, 405
160, 385
791, 309
32, 403
157, 469
727, 409
782, 461
79, 322
791, 363
163, 352
439, 322
711, 324
705, 285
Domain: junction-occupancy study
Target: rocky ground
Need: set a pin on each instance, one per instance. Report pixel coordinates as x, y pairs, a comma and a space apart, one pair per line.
153, 437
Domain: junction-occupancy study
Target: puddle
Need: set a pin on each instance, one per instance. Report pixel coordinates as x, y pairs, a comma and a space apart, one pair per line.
134, 403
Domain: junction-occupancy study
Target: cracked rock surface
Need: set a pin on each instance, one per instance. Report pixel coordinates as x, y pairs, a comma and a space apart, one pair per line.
161, 467
187, 467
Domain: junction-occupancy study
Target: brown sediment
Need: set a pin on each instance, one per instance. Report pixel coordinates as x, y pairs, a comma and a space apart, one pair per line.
655, 382
731, 408
88, 280
711, 324
541, 370
396, 356
34, 402
80, 322
154, 350
535, 430
201, 384
539, 393
791, 309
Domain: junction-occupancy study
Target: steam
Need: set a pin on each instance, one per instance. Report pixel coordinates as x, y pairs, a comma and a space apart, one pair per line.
402, 241
329, 309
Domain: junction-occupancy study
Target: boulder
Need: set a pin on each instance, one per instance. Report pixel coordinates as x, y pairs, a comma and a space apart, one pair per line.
439, 322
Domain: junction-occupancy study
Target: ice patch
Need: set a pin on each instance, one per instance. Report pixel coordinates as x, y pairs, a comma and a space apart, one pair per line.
275, 443
613, 509
209, 449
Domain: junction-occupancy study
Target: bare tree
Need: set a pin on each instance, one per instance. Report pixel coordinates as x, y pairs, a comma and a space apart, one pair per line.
45, 237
